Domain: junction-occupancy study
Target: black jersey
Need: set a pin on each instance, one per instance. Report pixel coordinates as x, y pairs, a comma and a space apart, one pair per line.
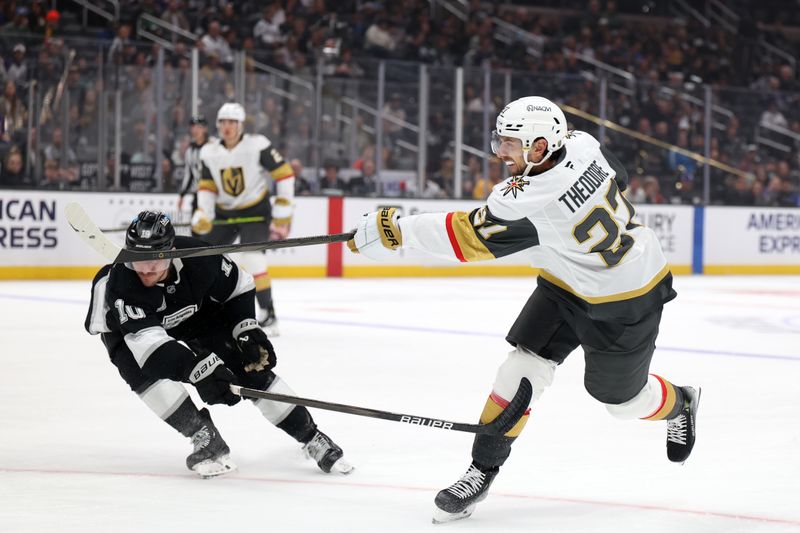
154, 321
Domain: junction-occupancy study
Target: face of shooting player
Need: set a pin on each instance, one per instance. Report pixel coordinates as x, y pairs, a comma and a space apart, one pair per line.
509, 150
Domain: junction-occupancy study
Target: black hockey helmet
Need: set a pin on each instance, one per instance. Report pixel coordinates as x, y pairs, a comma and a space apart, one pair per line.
198, 119
150, 230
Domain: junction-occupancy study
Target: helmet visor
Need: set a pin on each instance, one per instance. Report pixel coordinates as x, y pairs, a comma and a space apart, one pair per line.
149, 267
495, 142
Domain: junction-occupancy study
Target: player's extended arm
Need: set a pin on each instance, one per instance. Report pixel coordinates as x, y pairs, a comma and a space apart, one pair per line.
455, 236
284, 178
203, 217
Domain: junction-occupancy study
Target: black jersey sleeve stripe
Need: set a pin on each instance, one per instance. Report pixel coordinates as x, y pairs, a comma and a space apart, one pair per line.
499, 237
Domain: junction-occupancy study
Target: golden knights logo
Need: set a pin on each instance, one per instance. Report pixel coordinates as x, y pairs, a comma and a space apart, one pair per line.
515, 185
233, 180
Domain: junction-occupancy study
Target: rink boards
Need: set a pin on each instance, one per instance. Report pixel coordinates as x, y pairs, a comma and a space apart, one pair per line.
37, 243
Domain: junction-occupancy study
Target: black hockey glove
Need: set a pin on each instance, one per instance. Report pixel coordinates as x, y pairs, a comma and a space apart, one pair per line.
213, 380
257, 351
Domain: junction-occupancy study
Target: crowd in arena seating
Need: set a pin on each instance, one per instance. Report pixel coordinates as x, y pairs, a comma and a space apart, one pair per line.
670, 60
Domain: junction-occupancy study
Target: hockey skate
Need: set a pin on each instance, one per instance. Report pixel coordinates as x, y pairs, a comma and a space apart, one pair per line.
327, 454
681, 429
458, 501
211, 456
268, 321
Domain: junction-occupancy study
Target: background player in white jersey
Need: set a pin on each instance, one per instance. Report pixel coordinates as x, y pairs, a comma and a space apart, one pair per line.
602, 285
232, 186
192, 320
198, 130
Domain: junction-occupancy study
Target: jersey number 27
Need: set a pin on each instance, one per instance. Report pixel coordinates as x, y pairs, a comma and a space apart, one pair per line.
615, 244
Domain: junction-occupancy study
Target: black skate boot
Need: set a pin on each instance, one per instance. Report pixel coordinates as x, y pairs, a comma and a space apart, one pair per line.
459, 499
211, 456
327, 454
681, 429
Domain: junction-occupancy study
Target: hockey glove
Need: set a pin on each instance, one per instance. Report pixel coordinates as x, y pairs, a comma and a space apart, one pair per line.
201, 223
378, 235
257, 351
213, 380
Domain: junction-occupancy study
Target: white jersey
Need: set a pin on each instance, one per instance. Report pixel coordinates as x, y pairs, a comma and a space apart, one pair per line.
571, 220
233, 179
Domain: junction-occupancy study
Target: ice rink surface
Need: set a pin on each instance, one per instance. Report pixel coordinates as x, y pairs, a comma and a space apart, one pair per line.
80, 453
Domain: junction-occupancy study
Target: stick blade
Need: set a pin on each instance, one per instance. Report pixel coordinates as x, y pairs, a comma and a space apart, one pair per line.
89, 232
516, 408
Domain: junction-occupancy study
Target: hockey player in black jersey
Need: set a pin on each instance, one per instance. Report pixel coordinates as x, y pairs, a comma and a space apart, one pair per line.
169, 322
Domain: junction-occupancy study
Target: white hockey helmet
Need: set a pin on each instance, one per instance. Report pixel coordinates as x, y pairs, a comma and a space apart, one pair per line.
528, 119
232, 111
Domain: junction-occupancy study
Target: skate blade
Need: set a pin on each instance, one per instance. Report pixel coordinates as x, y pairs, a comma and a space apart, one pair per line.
443, 517
214, 468
342, 467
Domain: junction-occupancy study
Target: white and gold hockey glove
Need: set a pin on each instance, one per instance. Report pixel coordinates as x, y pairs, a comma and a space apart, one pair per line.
378, 235
281, 223
202, 224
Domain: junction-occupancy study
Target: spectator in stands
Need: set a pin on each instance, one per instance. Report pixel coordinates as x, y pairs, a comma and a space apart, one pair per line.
51, 22
740, 192
268, 30
330, 183
37, 17
19, 24
55, 151
13, 173
772, 116
214, 43
60, 177
440, 185
346, 67
17, 69
483, 186
366, 184
652, 191
13, 111
118, 45
175, 16
379, 39
301, 185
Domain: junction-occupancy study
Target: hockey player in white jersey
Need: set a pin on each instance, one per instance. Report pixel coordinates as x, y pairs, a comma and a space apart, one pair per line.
603, 282
232, 186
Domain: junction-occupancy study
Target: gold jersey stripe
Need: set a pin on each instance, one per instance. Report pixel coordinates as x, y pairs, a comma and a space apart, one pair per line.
611, 297
471, 246
207, 185
282, 172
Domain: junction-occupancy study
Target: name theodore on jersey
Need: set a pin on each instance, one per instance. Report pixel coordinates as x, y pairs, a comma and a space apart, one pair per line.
417, 421
580, 191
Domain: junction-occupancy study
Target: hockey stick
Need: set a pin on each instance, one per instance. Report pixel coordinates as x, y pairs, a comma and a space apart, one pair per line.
91, 235
216, 222
499, 426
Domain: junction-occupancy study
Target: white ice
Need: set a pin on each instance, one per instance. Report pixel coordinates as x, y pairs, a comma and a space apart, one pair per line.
80, 453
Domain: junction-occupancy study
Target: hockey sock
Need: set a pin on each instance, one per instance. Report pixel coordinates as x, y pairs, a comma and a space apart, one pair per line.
489, 451
264, 291
672, 400
299, 424
187, 419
